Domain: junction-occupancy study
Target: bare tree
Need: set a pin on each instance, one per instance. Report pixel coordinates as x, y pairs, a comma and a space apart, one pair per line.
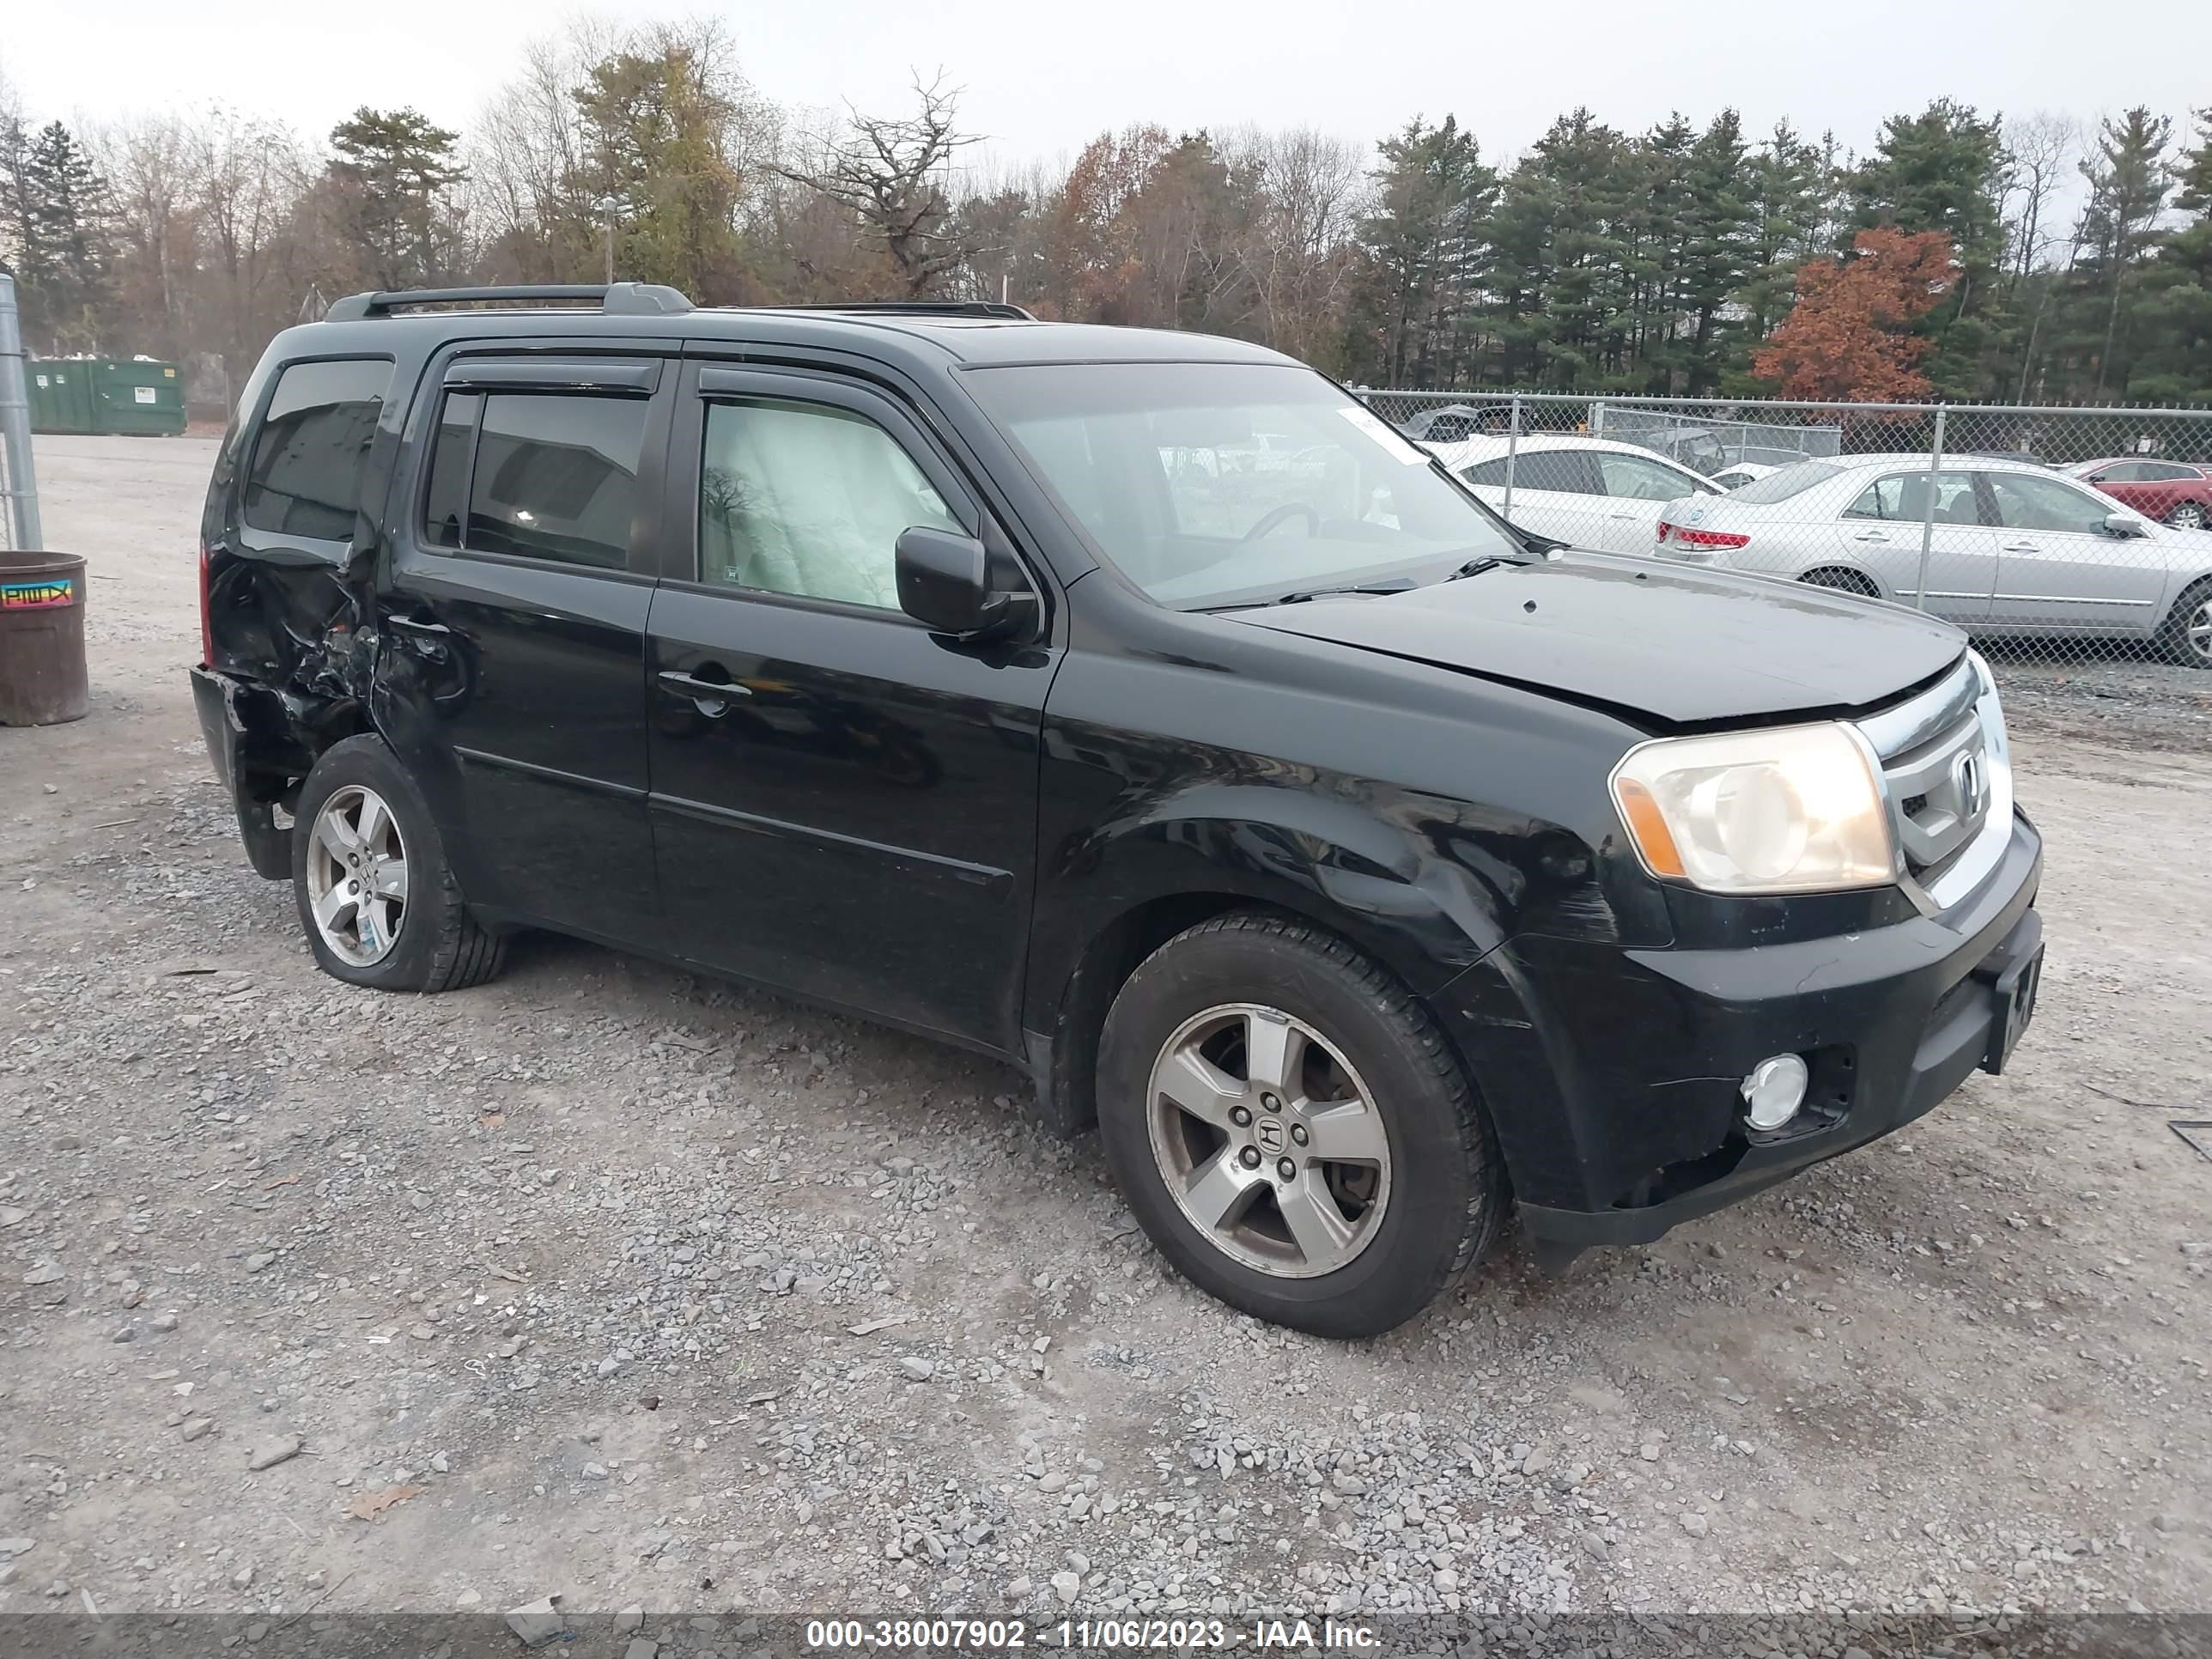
2040, 150
149, 164
890, 171
1311, 190
249, 177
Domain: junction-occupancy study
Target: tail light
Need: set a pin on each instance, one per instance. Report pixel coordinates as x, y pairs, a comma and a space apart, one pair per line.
206, 609
1684, 537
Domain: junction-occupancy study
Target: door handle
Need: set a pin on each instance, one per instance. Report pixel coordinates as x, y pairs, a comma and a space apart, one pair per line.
2020, 547
412, 625
701, 693
1871, 535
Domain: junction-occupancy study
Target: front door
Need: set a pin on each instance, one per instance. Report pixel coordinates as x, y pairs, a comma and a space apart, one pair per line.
1905, 522
1637, 490
2059, 568
844, 803
522, 566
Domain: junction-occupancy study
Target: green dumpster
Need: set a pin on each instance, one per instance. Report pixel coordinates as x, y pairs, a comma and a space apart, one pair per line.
138, 397
61, 394
106, 394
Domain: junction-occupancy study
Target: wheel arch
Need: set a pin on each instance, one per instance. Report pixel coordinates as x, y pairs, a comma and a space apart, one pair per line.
1875, 586
1424, 920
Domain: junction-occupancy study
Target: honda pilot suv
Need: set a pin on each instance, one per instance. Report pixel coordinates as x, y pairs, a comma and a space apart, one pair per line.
1133, 707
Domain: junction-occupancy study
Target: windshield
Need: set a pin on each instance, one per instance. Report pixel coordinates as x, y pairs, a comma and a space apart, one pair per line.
1216, 483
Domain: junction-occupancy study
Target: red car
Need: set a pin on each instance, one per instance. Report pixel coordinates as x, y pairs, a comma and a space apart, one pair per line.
2179, 495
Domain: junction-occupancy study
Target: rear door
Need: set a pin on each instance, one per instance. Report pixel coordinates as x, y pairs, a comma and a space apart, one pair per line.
1556, 493
1885, 531
524, 551
844, 803
2058, 568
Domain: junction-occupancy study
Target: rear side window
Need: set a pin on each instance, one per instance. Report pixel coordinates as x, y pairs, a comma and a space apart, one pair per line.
1566, 470
1789, 481
549, 476
306, 476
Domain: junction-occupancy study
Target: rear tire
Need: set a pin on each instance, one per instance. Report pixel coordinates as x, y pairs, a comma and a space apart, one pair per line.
2186, 515
2186, 636
377, 897
1842, 580
1347, 1245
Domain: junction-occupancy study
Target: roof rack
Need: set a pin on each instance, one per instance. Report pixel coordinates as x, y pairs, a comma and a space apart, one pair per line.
611, 299
923, 308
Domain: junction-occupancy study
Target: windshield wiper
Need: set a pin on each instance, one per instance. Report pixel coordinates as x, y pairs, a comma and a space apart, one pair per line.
1473, 568
1301, 596
1395, 584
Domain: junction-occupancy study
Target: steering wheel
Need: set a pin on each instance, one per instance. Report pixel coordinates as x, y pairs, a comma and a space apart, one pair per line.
1282, 515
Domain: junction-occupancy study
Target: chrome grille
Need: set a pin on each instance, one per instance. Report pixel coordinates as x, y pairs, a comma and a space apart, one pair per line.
1946, 779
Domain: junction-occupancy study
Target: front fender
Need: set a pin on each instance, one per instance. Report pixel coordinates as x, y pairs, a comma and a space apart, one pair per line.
1383, 883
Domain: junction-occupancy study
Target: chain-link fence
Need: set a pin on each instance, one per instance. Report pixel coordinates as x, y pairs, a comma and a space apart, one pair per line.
2060, 535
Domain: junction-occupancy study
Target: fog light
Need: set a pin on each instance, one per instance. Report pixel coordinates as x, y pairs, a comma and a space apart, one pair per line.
1774, 1090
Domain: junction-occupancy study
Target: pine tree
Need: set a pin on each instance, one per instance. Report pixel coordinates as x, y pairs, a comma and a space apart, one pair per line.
2127, 184
394, 172
1428, 250
1943, 170
62, 268
1785, 191
1716, 246
1563, 245
2174, 364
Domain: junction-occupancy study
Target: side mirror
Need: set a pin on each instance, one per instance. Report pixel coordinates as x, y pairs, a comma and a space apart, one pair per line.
944, 582
2125, 526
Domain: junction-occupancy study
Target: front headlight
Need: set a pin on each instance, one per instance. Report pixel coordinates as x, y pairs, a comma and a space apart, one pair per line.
1789, 809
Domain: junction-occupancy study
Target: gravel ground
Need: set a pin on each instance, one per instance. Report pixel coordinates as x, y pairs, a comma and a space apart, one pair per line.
605, 1282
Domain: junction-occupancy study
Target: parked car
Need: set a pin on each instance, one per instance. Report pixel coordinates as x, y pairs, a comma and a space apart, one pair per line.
2010, 548
1587, 492
1741, 473
2169, 491
1453, 422
1360, 868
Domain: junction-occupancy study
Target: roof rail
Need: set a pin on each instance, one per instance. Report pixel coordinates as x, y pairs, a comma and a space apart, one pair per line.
612, 299
923, 308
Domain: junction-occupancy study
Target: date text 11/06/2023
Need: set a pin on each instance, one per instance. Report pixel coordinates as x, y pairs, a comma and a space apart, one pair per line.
1167, 1635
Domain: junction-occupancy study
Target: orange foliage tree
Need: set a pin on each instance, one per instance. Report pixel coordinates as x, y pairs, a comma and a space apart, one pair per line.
1850, 335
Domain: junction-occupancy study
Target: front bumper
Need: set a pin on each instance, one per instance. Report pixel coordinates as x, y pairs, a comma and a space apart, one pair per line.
1638, 1125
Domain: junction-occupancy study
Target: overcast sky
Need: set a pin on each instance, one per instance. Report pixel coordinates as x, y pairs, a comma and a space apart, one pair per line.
1040, 80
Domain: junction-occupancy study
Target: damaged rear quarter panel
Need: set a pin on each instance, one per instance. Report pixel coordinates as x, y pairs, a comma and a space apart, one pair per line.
288, 608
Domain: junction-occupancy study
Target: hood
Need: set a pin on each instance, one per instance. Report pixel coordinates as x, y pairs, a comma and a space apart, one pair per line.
1686, 646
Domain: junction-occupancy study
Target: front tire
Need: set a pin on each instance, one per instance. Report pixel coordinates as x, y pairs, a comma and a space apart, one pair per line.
2186, 515
1292, 1130
2186, 636
377, 897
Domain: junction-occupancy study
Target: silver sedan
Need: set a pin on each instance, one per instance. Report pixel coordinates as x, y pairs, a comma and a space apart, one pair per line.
1999, 548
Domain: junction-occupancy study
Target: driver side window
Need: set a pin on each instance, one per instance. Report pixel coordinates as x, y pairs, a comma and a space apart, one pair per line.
809, 499
2027, 503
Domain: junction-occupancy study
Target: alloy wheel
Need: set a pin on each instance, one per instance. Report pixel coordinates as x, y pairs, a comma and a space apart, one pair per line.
1269, 1143
357, 876
2197, 630
2187, 516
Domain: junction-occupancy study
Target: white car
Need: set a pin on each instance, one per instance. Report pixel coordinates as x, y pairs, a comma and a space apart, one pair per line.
1588, 492
2010, 548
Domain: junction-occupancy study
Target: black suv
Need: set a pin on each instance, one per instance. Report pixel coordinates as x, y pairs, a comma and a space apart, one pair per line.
1136, 706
